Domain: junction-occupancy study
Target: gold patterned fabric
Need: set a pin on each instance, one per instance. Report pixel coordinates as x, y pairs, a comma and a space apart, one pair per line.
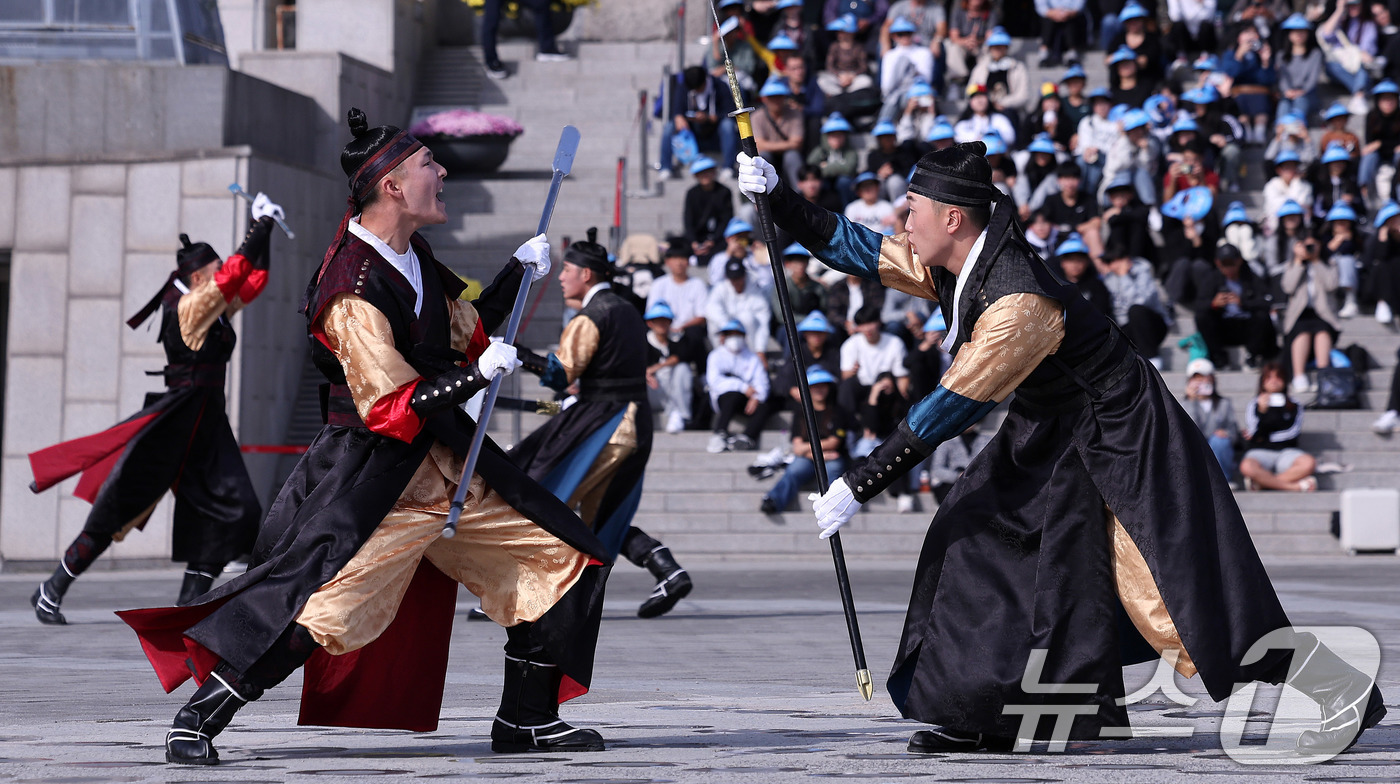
1009, 341
900, 269
1138, 592
199, 309
577, 346
361, 338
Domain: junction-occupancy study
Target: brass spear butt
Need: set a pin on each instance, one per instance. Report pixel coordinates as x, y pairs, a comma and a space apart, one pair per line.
867, 687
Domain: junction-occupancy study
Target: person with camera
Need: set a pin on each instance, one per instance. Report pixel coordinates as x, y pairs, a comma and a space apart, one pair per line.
1272, 460
1310, 324
1232, 308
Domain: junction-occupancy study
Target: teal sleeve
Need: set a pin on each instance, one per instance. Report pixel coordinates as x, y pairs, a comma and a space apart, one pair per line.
944, 414
852, 249
554, 376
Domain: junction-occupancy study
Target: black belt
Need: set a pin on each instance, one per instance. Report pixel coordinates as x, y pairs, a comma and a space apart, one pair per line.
609, 389
1087, 380
196, 374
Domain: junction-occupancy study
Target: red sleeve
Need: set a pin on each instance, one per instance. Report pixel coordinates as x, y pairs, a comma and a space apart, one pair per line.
392, 415
478, 343
232, 275
253, 286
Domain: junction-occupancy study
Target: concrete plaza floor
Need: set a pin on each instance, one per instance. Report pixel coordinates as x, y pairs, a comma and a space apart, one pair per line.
749, 680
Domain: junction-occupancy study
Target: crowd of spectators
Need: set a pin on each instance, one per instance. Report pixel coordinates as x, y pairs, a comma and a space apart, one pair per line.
1131, 188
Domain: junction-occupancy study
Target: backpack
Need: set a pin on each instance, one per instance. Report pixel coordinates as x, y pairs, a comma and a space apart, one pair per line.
1336, 388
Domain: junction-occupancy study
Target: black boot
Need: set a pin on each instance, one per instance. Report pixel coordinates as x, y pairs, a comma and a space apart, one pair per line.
945, 740
673, 584
528, 719
198, 579
190, 740
1350, 701
76, 559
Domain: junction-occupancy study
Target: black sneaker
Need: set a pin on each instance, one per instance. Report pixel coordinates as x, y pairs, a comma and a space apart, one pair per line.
742, 443
768, 507
495, 69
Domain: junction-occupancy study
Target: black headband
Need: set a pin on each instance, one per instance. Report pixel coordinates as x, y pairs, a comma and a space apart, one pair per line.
951, 189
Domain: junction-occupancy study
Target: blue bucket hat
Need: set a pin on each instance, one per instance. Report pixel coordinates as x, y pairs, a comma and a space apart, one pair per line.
1201, 95
1073, 244
701, 164
1289, 207
728, 3
782, 43
1194, 203
939, 132
1135, 118
1334, 111
1384, 87
1042, 143
1075, 71
1235, 214
1335, 152
1099, 92
902, 25
786, 4
836, 124
995, 144
846, 23
1122, 55
1116, 113
736, 226
1207, 62
819, 375
864, 177
659, 310
1296, 22
775, 87
816, 322
1341, 211
1286, 156
1131, 11
796, 249
1122, 179
729, 25
883, 128
1387, 211
1185, 124
918, 90
998, 37
935, 322
1160, 108
734, 325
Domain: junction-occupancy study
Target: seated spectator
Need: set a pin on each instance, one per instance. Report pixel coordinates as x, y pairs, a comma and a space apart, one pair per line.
738, 382
930, 22
1136, 153
1048, 120
978, 119
834, 158
737, 298
1042, 235
890, 161
738, 245
870, 15
749, 68
701, 104
875, 382
833, 425
917, 118
1298, 65
1004, 172
1249, 64
1070, 208
1383, 263
1189, 172
778, 129
1389, 421
814, 189
805, 295
687, 298
1272, 459
869, 210
1126, 86
1238, 230
1222, 134
903, 66
951, 459
1340, 248
927, 360
903, 314
1183, 133
1349, 43
1335, 120
806, 95
1310, 324
1232, 308
818, 349
1096, 135
669, 379
789, 24
972, 21
1382, 136
1134, 36
1335, 183
1007, 81
1286, 185
1074, 103
709, 207
1125, 220
1212, 413
848, 296
1192, 28
1036, 173
940, 138
1063, 31
847, 74
1073, 259
1263, 16
1291, 135
1291, 227
1137, 308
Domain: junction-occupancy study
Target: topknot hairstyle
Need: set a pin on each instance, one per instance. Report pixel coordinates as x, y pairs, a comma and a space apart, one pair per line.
366, 143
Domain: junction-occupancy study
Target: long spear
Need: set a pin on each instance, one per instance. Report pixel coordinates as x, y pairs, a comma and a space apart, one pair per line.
770, 238
563, 164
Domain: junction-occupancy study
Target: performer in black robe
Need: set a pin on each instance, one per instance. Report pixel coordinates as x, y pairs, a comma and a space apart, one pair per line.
593, 454
1096, 500
350, 574
180, 441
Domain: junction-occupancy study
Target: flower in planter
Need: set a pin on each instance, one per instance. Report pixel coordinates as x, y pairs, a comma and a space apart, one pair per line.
461, 123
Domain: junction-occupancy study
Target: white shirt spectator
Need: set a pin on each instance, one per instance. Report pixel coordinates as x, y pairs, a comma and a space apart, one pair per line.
885, 355
1097, 132
687, 300
1193, 13
976, 128
726, 371
1276, 192
902, 66
871, 216
750, 307
759, 273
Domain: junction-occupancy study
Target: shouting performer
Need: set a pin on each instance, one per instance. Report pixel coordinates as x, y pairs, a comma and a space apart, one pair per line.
1097, 499
181, 441
350, 575
593, 454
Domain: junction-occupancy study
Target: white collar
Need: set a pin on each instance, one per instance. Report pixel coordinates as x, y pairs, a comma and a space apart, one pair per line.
957, 292
182, 287
405, 263
597, 287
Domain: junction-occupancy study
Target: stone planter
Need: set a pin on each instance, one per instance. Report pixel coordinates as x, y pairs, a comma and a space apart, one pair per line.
470, 154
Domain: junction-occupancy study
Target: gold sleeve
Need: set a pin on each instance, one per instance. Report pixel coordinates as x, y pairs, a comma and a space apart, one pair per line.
360, 337
900, 269
464, 323
1009, 341
577, 346
198, 310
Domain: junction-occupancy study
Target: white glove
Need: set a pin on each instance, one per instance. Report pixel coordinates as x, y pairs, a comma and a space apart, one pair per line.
498, 359
835, 508
755, 175
535, 255
264, 207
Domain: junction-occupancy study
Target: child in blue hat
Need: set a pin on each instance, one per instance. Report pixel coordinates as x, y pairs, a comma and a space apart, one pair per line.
1382, 133
1298, 66
834, 158
906, 64
847, 64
